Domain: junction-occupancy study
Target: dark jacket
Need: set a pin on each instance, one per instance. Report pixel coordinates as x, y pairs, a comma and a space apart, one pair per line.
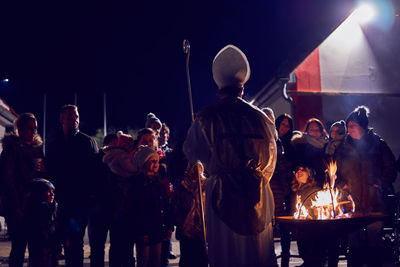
307, 193
349, 176
310, 155
378, 169
41, 222
280, 182
153, 210
72, 167
17, 167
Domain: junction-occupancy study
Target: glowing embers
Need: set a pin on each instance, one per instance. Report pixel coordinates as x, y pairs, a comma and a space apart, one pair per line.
328, 203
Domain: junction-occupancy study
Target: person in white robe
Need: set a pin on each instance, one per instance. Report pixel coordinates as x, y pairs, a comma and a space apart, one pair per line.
236, 143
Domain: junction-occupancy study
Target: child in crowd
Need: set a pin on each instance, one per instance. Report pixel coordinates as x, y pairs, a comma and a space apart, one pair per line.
122, 170
312, 248
152, 198
303, 186
146, 137
154, 123
41, 223
187, 218
118, 157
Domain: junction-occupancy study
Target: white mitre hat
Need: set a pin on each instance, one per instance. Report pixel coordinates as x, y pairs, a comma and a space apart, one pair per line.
230, 67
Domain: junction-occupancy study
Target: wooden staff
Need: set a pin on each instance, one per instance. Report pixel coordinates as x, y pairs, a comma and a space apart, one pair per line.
186, 50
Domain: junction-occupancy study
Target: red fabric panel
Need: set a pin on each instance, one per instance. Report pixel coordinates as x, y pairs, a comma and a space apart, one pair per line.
308, 77
308, 74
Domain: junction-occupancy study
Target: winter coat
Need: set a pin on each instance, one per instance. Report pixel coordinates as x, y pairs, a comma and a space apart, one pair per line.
43, 243
378, 169
119, 161
306, 192
72, 167
348, 173
103, 190
310, 151
152, 206
17, 167
280, 182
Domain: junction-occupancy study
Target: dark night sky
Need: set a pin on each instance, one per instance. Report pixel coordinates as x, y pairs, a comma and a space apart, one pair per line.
133, 52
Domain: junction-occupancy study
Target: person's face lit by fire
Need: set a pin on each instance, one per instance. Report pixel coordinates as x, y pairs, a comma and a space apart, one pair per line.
313, 130
302, 175
283, 127
355, 130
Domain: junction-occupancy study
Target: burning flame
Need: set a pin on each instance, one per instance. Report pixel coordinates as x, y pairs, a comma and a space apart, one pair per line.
326, 203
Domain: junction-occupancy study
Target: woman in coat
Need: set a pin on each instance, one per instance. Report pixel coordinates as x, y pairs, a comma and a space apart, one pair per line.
309, 147
378, 172
21, 161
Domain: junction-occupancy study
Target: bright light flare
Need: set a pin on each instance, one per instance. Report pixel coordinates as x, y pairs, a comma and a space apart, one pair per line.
364, 13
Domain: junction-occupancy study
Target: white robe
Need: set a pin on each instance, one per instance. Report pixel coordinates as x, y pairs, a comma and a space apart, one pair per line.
203, 142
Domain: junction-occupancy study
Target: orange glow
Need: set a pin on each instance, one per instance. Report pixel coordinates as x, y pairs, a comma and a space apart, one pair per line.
328, 203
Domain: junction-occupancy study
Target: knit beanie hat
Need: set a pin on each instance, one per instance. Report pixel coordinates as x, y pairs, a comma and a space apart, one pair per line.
341, 125
359, 116
125, 140
151, 118
230, 67
38, 187
142, 155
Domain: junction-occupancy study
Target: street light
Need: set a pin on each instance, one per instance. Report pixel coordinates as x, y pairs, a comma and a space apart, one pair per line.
364, 13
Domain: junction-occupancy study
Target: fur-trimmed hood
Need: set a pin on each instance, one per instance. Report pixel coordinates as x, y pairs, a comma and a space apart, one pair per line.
119, 161
304, 138
12, 140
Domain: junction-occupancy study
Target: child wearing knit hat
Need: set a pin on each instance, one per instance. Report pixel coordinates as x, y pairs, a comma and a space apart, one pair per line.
40, 219
153, 122
156, 222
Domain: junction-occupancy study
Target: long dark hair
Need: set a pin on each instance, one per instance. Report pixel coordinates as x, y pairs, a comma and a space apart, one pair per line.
278, 121
320, 126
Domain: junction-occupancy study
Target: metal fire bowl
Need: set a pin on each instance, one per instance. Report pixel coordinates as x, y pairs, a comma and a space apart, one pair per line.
331, 226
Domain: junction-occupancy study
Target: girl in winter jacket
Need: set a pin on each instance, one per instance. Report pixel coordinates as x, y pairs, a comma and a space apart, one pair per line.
152, 194
304, 187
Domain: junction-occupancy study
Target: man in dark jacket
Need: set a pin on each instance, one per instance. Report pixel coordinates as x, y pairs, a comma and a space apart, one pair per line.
71, 159
378, 169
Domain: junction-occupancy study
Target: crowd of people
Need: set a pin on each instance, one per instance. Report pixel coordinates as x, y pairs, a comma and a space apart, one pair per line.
366, 170
238, 162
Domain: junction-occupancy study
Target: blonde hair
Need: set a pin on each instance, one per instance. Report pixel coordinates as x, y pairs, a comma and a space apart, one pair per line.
20, 122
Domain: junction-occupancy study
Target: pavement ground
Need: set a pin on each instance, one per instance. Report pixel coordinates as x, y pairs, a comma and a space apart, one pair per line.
5, 247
